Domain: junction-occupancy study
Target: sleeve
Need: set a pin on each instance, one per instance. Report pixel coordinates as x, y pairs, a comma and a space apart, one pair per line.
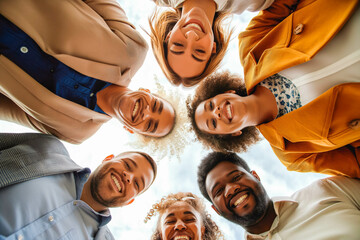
342, 161
116, 19
262, 24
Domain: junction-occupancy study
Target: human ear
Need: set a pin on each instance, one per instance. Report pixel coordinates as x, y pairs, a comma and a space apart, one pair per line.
230, 91
214, 48
255, 175
128, 129
215, 209
238, 133
111, 156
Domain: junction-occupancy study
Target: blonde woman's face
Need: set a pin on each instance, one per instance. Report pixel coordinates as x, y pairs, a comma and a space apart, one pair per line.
190, 44
181, 222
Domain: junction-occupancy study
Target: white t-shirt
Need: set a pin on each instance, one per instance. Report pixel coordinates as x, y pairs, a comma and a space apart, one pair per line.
231, 6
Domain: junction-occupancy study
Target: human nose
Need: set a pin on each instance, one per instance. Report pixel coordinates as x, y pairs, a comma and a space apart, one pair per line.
129, 176
180, 225
217, 112
146, 112
191, 34
230, 190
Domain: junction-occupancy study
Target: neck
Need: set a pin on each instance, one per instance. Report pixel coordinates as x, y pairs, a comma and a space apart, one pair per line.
209, 7
107, 98
87, 197
261, 106
265, 223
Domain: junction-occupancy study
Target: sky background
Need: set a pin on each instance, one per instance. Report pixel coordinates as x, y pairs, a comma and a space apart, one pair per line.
176, 172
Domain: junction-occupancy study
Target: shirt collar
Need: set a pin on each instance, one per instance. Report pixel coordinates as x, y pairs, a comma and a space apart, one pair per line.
278, 202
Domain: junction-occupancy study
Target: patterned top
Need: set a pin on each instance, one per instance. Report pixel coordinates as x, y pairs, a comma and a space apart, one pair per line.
285, 92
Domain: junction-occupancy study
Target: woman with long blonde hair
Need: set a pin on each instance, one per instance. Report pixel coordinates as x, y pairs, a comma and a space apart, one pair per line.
189, 40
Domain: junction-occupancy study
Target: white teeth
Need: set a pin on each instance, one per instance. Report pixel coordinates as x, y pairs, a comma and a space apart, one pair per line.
181, 238
116, 182
228, 110
197, 26
240, 200
136, 107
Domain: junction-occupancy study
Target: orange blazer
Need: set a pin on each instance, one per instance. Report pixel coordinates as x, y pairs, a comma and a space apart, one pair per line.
93, 37
317, 136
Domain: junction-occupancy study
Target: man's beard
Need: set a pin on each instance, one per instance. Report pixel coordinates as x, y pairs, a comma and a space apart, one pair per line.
95, 190
257, 213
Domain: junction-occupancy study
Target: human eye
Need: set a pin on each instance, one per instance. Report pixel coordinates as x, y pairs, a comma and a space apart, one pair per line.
149, 123
213, 121
127, 166
191, 219
237, 177
218, 191
199, 51
137, 186
211, 105
170, 221
178, 44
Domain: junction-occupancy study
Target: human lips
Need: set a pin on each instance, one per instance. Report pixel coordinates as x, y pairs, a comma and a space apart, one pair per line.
182, 237
136, 110
227, 110
194, 24
117, 183
239, 200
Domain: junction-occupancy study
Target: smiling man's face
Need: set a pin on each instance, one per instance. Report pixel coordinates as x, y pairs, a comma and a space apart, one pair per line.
237, 194
145, 113
119, 180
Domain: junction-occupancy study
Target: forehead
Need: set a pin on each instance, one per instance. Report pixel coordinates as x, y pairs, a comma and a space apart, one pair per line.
179, 209
220, 172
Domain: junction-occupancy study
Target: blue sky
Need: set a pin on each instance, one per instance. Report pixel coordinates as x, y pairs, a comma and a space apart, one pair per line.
175, 173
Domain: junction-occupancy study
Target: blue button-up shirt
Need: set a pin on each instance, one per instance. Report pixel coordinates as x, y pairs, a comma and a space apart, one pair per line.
58, 78
50, 208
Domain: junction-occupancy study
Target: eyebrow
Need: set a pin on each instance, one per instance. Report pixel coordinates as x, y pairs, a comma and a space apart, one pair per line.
216, 184
161, 107
182, 52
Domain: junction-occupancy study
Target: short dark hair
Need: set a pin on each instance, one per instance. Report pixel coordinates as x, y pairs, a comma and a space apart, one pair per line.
211, 161
150, 160
213, 85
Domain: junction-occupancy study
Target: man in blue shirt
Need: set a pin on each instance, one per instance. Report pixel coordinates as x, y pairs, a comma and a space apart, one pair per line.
45, 195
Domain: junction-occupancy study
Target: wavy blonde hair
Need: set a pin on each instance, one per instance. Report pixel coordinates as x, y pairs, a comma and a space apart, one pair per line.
161, 23
212, 231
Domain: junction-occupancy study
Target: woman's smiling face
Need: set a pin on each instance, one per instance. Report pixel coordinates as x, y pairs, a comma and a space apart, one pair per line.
190, 44
181, 221
223, 114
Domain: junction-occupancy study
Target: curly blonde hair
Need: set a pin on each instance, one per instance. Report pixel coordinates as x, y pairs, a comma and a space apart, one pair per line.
161, 23
212, 231
213, 85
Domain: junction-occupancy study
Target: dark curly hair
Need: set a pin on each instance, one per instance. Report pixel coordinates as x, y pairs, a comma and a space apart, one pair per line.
212, 160
212, 231
215, 84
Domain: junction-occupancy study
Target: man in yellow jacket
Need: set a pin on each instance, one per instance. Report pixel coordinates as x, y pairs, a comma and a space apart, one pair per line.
314, 43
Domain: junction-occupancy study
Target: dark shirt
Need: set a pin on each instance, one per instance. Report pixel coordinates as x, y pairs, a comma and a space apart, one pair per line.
58, 78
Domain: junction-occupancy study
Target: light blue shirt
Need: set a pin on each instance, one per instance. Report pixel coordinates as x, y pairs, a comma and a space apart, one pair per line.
49, 208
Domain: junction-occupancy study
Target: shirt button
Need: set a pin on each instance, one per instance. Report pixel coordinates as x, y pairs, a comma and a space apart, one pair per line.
298, 29
355, 124
52, 70
76, 86
20, 237
24, 49
51, 218
91, 94
75, 203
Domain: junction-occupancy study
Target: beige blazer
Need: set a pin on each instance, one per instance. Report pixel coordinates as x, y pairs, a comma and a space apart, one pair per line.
93, 37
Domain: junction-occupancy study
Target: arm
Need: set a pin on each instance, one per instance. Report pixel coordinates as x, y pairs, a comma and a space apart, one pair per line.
262, 24
341, 161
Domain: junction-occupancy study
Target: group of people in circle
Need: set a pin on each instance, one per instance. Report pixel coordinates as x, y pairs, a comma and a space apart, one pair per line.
65, 67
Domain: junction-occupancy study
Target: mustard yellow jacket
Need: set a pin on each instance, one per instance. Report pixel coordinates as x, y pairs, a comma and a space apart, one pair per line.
317, 136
